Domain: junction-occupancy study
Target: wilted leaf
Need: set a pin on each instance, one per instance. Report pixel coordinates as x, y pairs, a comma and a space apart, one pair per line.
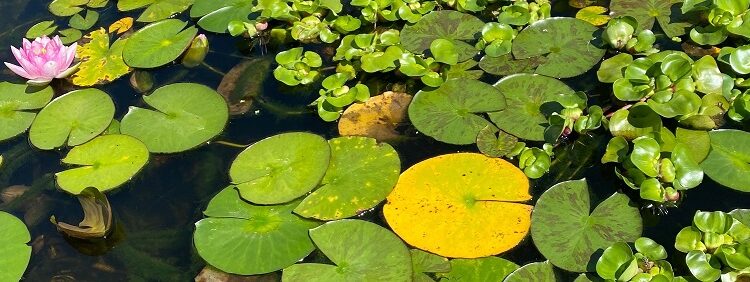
121, 25
243, 83
97, 216
377, 118
595, 15
100, 62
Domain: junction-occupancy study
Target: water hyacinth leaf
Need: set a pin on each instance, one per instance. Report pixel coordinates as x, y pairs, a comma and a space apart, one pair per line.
233, 224
610, 263
708, 78
66, 8
97, 216
688, 173
742, 215
613, 68
423, 262
104, 163
70, 35
360, 175
536, 271
617, 150
566, 209
100, 62
650, 249
156, 9
648, 12
728, 162
564, 42
444, 51
740, 59
361, 250
243, 83
450, 113
640, 120
529, 99
463, 205
17, 102
221, 13
83, 23
14, 239
280, 168
377, 118
158, 44
494, 142
64, 122
184, 116
645, 156
703, 266
40, 29
479, 269
453, 26
595, 15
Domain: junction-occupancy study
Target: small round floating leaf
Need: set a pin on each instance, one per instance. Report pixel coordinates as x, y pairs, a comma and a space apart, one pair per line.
360, 175
536, 271
494, 142
280, 168
378, 117
453, 26
41, 29
462, 205
70, 35
479, 269
568, 233
16, 103
650, 11
158, 44
565, 42
362, 251
66, 8
72, 119
529, 99
83, 23
184, 116
728, 162
14, 237
246, 239
156, 9
450, 113
100, 62
595, 15
105, 163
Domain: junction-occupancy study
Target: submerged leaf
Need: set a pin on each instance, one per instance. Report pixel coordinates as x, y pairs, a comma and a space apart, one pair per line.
97, 216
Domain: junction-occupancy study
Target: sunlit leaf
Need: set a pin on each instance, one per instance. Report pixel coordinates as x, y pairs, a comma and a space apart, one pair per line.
14, 239
121, 25
377, 118
100, 62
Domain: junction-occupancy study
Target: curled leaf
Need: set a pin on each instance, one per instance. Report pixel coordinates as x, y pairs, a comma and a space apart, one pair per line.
97, 216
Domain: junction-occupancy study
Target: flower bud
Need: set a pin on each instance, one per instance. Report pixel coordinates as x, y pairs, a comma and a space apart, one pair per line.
141, 81
196, 53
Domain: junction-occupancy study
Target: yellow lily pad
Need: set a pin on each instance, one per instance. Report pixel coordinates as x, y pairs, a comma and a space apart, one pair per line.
377, 118
595, 15
463, 205
121, 25
100, 62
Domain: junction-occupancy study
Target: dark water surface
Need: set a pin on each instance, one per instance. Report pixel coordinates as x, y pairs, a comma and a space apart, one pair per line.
155, 212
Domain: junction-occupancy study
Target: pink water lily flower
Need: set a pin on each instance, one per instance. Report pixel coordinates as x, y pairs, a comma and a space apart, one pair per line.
43, 60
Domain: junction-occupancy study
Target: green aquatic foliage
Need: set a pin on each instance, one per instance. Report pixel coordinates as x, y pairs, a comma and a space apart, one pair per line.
14, 240
156, 10
336, 95
524, 12
724, 18
647, 263
497, 39
727, 161
624, 33
17, 105
394, 10
101, 62
297, 66
371, 52
478, 269
215, 16
158, 43
649, 12
535, 271
43, 28
715, 243
456, 27
423, 263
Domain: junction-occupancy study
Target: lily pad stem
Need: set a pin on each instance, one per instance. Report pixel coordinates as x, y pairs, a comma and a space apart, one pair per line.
213, 69
230, 144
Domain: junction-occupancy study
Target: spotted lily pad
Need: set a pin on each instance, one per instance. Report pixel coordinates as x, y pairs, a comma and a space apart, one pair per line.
378, 117
72, 119
184, 116
14, 239
360, 175
568, 233
451, 113
280, 168
566, 43
454, 26
647, 12
158, 44
479, 269
241, 238
100, 62
16, 104
360, 250
156, 9
529, 99
462, 205
104, 163
423, 262
728, 162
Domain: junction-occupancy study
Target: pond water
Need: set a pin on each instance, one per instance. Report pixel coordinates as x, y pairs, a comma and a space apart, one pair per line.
155, 212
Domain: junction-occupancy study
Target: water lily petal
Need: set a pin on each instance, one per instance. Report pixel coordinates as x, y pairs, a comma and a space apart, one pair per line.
19, 71
39, 82
50, 70
27, 65
70, 54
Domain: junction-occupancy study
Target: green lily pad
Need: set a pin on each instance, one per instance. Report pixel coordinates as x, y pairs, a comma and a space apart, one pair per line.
70, 35
362, 251
728, 162
241, 238
506, 65
14, 237
184, 116
535, 271
100, 62
105, 163
83, 23
569, 234
362, 172
453, 26
156, 9
423, 262
697, 143
650, 11
451, 113
216, 15
66, 8
566, 43
495, 143
479, 269
529, 99
280, 168
72, 119
16, 103
158, 44
40, 29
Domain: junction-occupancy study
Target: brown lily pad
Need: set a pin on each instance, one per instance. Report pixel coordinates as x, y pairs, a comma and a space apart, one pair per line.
243, 83
377, 118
